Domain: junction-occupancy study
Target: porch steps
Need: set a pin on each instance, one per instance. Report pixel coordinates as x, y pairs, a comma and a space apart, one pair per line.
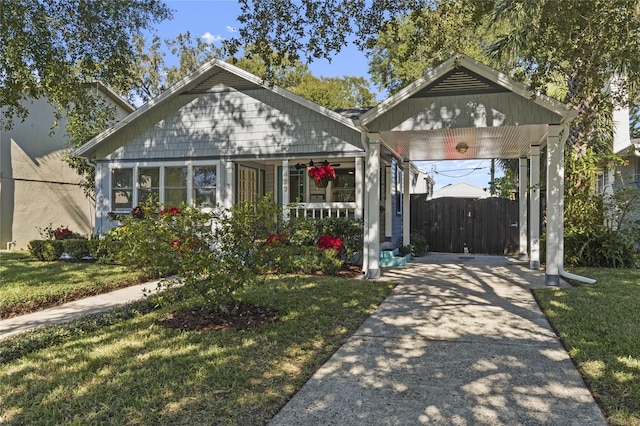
393, 258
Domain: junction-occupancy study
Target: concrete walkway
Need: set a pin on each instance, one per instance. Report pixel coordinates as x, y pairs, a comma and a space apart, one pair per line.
460, 341
72, 310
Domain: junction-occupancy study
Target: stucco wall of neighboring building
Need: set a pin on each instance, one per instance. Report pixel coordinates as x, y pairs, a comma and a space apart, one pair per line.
37, 188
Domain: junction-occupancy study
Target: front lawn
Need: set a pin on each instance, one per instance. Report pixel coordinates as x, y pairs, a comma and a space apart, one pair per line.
27, 285
600, 327
134, 371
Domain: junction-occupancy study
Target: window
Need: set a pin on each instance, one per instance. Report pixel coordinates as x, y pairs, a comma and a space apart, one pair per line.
170, 184
175, 185
121, 189
344, 187
204, 186
148, 183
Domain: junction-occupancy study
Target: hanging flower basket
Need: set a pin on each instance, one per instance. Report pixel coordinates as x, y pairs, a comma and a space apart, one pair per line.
322, 175
322, 183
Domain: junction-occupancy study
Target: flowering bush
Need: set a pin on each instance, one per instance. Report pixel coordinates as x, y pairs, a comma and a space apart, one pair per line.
171, 211
331, 242
322, 173
62, 234
138, 212
277, 238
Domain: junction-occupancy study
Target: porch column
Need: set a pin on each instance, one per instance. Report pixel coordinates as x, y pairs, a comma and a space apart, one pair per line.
406, 204
285, 188
534, 197
555, 205
229, 184
359, 214
522, 207
371, 249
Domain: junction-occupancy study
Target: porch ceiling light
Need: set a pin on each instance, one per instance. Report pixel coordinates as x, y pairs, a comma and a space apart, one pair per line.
462, 147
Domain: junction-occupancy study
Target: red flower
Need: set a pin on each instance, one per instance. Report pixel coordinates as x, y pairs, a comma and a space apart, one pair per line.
62, 233
324, 172
138, 212
173, 211
329, 241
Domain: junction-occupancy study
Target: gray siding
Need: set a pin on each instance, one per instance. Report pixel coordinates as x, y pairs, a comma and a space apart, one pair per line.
396, 196
463, 111
252, 124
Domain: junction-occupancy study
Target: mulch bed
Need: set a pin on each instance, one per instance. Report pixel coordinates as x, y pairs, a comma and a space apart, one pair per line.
246, 317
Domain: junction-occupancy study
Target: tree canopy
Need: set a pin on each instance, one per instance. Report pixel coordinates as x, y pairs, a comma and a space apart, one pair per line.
55, 47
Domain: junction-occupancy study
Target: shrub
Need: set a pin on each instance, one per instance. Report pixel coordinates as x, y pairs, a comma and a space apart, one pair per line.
349, 230
419, 246
213, 254
46, 250
599, 246
76, 248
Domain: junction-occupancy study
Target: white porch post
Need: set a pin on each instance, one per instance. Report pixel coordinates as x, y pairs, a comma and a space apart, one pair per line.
359, 214
534, 196
285, 188
371, 248
227, 193
522, 207
406, 204
555, 205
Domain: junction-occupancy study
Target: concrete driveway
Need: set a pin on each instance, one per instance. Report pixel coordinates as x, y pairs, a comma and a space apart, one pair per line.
460, 341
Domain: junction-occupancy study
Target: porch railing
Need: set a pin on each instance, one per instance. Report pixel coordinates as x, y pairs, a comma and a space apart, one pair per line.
322, 210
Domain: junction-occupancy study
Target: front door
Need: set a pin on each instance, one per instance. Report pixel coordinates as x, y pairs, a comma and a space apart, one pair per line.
247, 184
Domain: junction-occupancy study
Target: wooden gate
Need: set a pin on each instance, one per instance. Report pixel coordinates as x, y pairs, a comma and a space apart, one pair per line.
488, 226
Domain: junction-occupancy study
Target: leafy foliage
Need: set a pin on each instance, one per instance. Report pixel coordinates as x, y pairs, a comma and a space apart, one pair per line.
215, 254
55, 47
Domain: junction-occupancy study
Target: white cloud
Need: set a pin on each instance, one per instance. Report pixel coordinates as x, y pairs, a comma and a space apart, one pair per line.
231, 29
210, 38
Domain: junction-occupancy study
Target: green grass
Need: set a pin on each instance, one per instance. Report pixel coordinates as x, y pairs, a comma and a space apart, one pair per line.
27, 284
600, 327
130, 370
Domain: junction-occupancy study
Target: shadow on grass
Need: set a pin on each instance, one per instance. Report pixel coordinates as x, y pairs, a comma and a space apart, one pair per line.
599, 327
136, 372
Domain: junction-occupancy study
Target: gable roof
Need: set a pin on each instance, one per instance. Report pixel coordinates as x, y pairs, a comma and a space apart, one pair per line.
200, 81
461, 74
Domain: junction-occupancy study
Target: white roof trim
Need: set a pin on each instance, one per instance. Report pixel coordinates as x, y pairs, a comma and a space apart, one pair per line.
192, 80
479, 68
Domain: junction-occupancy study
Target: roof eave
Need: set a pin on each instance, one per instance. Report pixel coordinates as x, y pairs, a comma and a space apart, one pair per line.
192, 80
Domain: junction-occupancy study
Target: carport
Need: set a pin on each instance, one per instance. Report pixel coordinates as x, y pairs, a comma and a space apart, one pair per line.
463, 110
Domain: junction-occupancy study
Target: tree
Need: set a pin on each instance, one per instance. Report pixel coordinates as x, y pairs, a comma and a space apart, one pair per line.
409, 45
55, 47
335, 92
583, 44
150, 73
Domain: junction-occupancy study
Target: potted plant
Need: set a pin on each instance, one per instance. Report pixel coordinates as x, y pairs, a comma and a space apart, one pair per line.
322, 175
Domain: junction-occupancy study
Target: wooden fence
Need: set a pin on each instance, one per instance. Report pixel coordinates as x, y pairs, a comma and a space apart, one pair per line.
488, 226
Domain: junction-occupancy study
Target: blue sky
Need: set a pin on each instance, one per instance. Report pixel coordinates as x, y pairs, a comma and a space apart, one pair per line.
214, 20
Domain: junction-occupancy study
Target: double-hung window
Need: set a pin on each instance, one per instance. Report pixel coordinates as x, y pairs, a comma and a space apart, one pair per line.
175, 185
148, 183
204, 186
122, 189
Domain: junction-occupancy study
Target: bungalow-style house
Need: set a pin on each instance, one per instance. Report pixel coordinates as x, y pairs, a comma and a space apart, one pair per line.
222, 135
37, 187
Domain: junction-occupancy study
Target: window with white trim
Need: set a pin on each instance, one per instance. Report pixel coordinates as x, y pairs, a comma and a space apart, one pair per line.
122, 188
204, 186
170, 184
175, 185
148, 183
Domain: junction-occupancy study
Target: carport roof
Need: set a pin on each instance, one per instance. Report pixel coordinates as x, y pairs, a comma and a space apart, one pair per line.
415, 124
